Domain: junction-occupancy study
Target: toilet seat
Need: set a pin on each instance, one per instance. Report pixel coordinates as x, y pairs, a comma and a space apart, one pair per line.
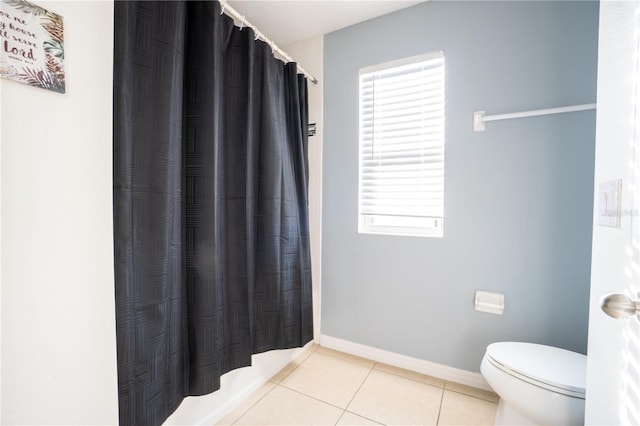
554, 369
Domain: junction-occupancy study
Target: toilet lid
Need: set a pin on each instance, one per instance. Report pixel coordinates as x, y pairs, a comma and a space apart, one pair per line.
552, 368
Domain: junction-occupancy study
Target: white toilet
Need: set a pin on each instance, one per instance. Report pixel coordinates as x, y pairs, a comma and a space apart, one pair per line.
537, 384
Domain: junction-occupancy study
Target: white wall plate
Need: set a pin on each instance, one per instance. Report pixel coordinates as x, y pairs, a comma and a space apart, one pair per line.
609, 203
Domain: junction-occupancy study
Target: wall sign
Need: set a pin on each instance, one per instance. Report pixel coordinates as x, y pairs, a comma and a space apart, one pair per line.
32, 45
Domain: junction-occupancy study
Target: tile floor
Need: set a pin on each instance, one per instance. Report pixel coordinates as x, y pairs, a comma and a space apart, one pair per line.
326, 387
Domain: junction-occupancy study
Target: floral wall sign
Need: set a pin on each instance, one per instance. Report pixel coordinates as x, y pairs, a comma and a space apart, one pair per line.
32, 45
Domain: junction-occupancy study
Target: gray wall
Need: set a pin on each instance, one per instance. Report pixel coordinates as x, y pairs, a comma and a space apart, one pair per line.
518, 197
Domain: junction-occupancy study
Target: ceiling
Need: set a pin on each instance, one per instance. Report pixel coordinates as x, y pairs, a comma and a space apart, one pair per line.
289, 21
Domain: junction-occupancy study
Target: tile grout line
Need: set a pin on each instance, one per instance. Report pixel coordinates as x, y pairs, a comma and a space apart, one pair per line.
312, 397
440, 407
302, 393
364, 417
340, 418
471, 396
358, 390
275, 384
410, 378
375, 364
345, 409
328, 403
255, 403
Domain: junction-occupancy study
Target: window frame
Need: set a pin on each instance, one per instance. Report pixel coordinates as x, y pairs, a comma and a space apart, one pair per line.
400, 224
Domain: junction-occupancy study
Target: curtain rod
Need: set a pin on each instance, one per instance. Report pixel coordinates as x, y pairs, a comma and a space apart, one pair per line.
228, 10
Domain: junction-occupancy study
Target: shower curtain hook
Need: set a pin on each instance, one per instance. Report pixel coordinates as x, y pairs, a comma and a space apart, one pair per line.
242, 23
224, 4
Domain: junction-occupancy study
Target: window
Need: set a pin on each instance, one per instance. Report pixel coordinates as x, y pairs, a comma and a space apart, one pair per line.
401, 174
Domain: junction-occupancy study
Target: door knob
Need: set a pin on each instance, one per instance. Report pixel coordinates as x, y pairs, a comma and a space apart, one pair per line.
620, 305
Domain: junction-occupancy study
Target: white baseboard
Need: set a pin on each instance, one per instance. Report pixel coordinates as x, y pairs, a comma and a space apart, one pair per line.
409, 363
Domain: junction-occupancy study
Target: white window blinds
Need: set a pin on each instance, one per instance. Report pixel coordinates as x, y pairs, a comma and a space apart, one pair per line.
401, 188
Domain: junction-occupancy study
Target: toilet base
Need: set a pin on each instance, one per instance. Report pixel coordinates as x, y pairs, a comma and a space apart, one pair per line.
509, 416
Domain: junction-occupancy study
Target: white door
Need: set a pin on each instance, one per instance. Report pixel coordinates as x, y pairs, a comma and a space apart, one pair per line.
613, 365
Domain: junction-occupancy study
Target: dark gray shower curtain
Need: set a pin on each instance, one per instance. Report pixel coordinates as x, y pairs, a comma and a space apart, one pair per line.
212, 258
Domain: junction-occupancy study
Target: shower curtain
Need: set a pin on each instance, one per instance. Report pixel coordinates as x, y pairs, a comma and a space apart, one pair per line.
212, 260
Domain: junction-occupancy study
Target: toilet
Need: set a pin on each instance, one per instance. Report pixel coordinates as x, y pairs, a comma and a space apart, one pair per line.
537, 384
